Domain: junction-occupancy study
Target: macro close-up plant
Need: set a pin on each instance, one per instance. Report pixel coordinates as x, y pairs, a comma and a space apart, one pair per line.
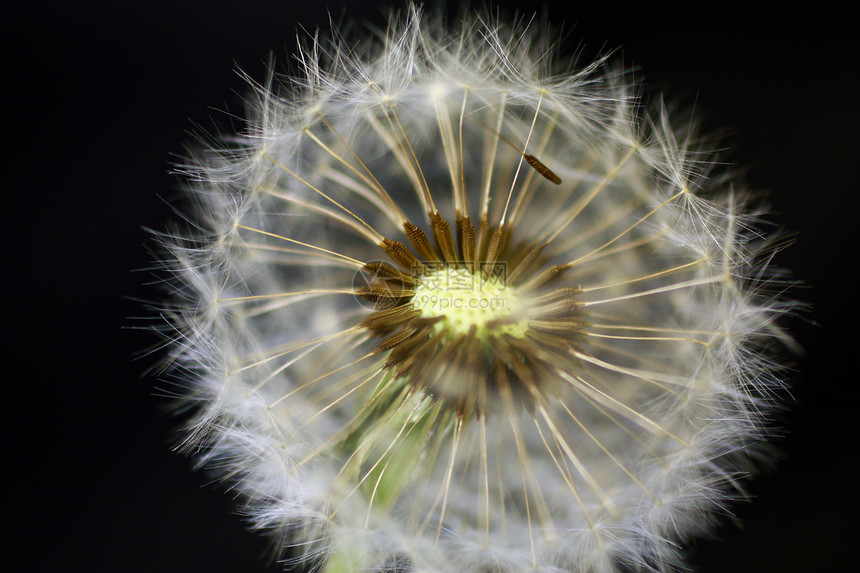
448, 301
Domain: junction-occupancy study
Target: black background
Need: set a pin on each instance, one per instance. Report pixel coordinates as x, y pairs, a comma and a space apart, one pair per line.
98, 97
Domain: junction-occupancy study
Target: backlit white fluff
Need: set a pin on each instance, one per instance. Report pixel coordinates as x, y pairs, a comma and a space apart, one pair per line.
593, 430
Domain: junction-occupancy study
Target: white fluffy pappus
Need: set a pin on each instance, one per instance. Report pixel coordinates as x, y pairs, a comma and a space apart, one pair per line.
448, 307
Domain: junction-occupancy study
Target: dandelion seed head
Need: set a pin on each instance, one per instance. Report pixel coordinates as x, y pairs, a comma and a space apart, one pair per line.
447, 308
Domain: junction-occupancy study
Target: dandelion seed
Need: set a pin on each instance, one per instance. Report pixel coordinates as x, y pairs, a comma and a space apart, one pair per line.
410, 353
533, 161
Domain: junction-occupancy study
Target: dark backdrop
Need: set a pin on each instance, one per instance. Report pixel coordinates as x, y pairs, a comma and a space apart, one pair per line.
98, 97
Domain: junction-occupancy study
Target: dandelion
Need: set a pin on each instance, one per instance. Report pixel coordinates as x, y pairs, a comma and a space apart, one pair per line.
448, 308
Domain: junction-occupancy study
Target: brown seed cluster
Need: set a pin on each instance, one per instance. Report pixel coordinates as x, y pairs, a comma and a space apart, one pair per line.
470, 369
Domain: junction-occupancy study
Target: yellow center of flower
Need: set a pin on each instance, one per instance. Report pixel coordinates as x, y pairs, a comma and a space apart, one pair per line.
464, 299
